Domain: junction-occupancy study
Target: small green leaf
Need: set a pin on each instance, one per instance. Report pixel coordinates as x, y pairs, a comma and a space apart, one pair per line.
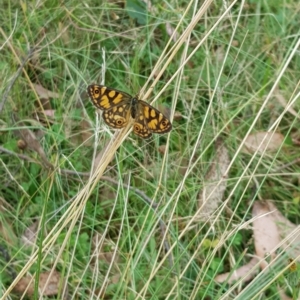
137, 9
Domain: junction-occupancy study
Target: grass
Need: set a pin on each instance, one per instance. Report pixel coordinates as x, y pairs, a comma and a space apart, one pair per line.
119, 217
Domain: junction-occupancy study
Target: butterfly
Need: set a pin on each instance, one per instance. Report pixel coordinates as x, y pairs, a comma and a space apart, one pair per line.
119, 106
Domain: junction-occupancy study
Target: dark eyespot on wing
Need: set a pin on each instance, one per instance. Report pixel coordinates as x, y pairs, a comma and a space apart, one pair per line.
141, 130
104, 97
117, 117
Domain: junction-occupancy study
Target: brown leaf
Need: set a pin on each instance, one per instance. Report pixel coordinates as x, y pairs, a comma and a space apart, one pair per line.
266, 234
280, 98
46, 104
86, 132
245, 272
25, 284
177, 116
235, 43
30, 234
49, 113
162, 149
220, 54
44, 93
215, 183
289, 233
271, 229
283, 295
171, 32
49, 285
263, 141
102, 247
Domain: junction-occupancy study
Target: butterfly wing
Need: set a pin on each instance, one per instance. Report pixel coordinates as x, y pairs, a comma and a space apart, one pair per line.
118, 116
114, 103
150, 120
118, 106
105, 98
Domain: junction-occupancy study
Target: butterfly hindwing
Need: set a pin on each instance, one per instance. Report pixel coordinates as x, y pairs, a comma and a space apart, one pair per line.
118, 116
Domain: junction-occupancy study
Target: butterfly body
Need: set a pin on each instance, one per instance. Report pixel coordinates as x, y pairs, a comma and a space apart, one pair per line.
118, 107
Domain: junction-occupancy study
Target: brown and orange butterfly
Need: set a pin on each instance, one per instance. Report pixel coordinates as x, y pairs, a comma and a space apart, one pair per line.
119, 106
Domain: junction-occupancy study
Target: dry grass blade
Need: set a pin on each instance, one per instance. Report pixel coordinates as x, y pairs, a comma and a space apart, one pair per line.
218, 67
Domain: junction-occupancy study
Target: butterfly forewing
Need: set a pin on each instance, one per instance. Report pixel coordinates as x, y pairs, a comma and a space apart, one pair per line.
105, 98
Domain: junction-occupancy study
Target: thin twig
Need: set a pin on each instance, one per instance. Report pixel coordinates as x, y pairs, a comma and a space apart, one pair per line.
21, 156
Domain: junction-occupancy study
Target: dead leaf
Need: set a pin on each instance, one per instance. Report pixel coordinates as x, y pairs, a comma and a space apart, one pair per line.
162, 149
289, 233
48, 285
44, 93
86, 132
25, 284
6, 230
30, 234
214, 184
271, 230
283, 295
46, 103
265, 231
219, 54
235, 43
115, 278
280, 98
102, 247
177, 116
49, 113
245, 273
171, 32
263, 141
